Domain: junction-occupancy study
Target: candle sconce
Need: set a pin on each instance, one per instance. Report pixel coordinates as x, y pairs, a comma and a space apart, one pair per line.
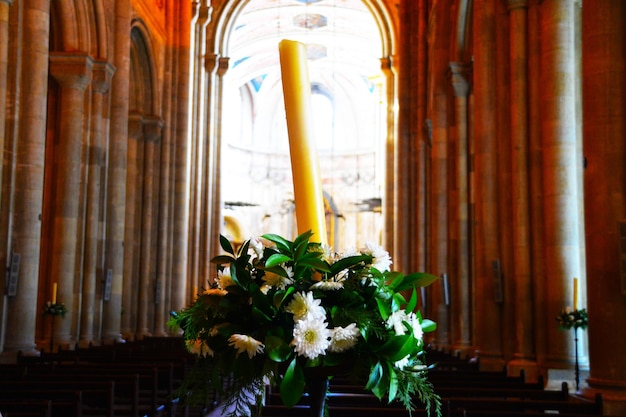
53, 310
573, 319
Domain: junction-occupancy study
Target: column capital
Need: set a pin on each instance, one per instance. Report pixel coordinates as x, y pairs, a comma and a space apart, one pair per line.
516, 4
459, 73
73, 70
211, 62
152, 128
222, 65
386, 64
101, 76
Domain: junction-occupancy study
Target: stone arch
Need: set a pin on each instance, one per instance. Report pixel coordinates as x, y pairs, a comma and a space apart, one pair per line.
78, 25
226, 18
142, 97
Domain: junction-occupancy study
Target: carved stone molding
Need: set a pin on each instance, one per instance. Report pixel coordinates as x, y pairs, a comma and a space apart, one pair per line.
71, 70
152, 128
101, 76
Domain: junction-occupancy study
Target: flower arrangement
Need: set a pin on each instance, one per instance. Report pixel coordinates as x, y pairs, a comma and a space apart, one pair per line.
279, 309
568, 318
54, 309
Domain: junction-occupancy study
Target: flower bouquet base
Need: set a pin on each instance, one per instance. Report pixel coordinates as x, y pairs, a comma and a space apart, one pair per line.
317, 387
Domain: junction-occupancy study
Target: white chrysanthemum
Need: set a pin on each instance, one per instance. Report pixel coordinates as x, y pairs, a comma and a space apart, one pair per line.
311, 337
199, 347
327, 253
277, 281
224, 279
329, 285
402, 363
382, 260
416, 324
243, 343
395, 322
215, 291
257, 246
304, 305
344, 338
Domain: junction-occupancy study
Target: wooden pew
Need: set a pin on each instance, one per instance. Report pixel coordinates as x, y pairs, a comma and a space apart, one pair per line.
26, 408
458, 407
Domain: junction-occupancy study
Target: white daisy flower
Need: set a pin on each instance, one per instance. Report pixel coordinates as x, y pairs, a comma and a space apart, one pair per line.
224, 279
243, 343
418, 332
327, 285
382, 260
199, 347
257, 246
311, 337
344, 338
277, 281
395, 322
304, 305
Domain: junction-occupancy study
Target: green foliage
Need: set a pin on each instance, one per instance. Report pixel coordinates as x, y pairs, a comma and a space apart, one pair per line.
243, 326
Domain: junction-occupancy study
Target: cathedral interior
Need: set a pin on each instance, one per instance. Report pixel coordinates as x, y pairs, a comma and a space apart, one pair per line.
482, 141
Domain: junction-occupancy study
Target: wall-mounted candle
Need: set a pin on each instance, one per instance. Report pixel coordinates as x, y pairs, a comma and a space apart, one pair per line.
54, 293
575, 293
307, 184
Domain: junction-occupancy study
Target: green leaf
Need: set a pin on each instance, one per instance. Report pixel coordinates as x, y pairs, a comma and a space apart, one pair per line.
313, 262
376, 374
282, 244
276, 259
277, 349
428, 325
222, 259
348, 262
292, 385
393, 383
412, 302
417, 279
226, 245
383, 308
397, 347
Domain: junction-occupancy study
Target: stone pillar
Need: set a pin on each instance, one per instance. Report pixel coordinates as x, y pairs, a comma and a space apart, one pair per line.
4, 52
560, 183
152, 128
488, 313
116, 185
132, 229
153, 133
23, 308
180, 177
459, 76
92, 269
604, 130
524, 357
73, 73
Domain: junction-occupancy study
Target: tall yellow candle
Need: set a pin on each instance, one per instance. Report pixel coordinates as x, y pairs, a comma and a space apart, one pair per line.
54, 293
575, 293
307, 182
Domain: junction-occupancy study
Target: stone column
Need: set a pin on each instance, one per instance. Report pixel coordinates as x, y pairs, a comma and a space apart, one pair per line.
459, 76
92, 270
604, 130
180, 181
560, 183
152, 132
132, 229
23, 309
524, 357
4, 52
488, 313
116, 185
73, 73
